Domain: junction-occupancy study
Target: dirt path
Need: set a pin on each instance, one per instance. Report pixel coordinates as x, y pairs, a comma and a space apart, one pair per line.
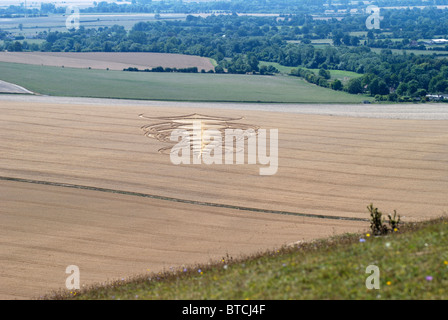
6, 87
328, 167
427, 111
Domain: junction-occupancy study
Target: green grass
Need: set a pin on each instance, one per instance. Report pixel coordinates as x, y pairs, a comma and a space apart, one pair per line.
214, 62
360, 34
29, 41
341, 75
281, 68
334, 268
73, 82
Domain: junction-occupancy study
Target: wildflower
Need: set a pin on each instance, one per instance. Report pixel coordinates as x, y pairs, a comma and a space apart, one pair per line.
387, 244
445, 263
395, 229
388, 283
429, 278
185, 269
225, 267
362, 240
368, 235
199, 271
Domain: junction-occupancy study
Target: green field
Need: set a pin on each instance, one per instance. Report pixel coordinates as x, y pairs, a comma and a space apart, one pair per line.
29, 41
281, 68
413, 264
72, 82
341, 75
416, 52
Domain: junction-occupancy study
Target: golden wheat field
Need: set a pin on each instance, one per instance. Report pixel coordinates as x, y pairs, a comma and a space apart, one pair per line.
82, 185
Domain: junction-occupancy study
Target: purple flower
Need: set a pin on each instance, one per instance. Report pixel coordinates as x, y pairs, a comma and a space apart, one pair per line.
429, 278
362, 240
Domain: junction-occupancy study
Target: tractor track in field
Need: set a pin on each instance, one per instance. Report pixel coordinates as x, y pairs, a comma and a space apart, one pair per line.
179, 200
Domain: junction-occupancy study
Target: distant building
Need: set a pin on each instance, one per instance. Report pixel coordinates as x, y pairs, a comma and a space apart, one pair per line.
439, 41
437, 97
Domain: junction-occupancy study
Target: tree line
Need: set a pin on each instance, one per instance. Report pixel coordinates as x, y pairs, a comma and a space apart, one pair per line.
239, 43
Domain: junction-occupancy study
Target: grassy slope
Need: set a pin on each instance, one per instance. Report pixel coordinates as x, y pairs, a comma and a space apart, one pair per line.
325, 269
169, 86
341, 75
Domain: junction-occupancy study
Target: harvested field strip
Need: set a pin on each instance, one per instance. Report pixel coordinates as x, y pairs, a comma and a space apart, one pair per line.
310, 180
416, 188
325, 157
327, 125
424, 163
328, 132
194, 202
110, 60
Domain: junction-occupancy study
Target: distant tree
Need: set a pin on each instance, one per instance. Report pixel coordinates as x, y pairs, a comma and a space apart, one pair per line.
337, 36
354, 41
402, 89
47, 7
412, 88
421, 93
383, 89
323, 82
324, 74
393, 97
346, 40
17, 46
374, 87
337, 85
354, 86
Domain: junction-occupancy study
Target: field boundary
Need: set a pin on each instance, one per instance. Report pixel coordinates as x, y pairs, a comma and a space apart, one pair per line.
12, 88
186, 201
